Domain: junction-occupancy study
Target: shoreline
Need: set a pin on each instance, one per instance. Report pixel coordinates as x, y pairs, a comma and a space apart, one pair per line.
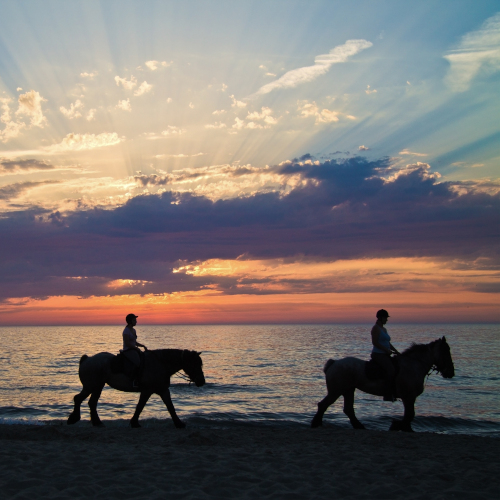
59, 461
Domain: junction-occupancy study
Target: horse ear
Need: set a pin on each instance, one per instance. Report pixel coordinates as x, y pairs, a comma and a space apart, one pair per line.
199, 354
444, 338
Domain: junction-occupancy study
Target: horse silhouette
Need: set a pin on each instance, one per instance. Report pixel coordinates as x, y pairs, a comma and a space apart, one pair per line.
346, 375
159, 366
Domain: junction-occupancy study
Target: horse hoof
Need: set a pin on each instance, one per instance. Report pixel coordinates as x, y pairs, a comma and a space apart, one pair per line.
73, 419
396, 425
316, 422
98, 424
359, 426
180, 425
135, 425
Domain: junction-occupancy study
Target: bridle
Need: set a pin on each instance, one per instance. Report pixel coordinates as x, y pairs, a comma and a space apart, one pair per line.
183, 376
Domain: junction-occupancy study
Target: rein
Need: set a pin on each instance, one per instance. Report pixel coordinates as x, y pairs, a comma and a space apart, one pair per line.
182, 375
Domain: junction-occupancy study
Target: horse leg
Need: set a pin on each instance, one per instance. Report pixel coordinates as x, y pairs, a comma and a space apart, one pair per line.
349, 410
322, 407
405, 424
170, 407
74, 416
143, 399
94, 417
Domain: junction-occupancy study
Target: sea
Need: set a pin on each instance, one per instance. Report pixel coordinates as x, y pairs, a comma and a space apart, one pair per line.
258, 375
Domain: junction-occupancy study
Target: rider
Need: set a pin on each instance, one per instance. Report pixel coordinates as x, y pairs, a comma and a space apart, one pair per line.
131, 346
381, 353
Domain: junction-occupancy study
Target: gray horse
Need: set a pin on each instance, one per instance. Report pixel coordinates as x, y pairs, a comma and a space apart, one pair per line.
346, 375
159, 366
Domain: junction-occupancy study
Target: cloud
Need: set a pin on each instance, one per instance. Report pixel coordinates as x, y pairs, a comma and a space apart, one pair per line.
322, 64
216, 125
91, 114
124, 105
407, 152
12, 191
12, 127
368, 91
363, 148
30, 105
219, 112
341, 209
236, 103
308, 109
144, 88
478, 52
8, 167
154, 65
73, 111
126, 84
191, 105
169, 100
262, 119
172, 130
81, 142
90, 76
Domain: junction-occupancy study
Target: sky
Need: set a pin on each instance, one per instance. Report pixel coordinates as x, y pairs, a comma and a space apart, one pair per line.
249, 162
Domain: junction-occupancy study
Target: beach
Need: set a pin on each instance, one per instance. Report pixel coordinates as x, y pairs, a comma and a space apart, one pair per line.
159, 461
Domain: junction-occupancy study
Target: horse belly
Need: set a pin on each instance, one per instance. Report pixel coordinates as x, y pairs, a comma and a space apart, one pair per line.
373, 387
121, 382
348, 374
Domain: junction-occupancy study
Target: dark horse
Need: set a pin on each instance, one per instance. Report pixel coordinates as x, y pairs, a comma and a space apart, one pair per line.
346, 375
159, 366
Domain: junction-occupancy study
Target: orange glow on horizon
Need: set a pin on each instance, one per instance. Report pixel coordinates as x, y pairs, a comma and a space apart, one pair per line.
208, 307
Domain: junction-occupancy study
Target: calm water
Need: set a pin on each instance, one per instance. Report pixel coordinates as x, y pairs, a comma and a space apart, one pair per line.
267, 375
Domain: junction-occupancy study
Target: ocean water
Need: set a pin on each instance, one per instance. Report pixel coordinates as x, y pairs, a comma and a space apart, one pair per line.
256, 375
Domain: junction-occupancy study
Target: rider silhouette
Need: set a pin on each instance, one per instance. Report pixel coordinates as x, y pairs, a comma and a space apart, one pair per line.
381, 353
131, 347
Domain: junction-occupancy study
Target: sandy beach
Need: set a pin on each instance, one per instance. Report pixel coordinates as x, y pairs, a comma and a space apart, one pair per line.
159, 461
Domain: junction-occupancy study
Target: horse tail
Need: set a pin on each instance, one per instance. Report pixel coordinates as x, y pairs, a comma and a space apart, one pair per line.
83, 358
328, 364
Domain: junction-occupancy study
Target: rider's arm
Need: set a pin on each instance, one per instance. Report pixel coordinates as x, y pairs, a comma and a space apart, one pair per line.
393, 349
375, 342
141, 345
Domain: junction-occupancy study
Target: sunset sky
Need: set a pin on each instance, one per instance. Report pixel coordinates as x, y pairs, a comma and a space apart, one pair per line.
249, 162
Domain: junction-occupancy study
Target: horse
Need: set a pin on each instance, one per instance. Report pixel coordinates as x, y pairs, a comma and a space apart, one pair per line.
346, 375
159, 366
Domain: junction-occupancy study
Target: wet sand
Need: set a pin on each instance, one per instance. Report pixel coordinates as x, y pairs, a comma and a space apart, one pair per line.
159, 461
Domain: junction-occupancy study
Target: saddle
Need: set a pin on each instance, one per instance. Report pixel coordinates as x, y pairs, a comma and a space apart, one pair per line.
121, 364
374, 371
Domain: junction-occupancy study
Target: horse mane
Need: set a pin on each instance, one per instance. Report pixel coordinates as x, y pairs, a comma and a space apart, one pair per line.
416, 349
167, 354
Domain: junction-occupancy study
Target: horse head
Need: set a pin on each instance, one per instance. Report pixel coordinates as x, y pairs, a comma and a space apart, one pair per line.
193, 367
442, 358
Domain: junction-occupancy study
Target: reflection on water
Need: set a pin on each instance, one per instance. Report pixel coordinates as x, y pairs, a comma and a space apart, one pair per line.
255, 374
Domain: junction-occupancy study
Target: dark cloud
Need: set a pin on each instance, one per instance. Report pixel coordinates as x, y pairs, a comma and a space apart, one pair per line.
14, 190
345, 210
16, 166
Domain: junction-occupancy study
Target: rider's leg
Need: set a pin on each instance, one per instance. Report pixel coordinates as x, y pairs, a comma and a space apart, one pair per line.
134, 357
384, 360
